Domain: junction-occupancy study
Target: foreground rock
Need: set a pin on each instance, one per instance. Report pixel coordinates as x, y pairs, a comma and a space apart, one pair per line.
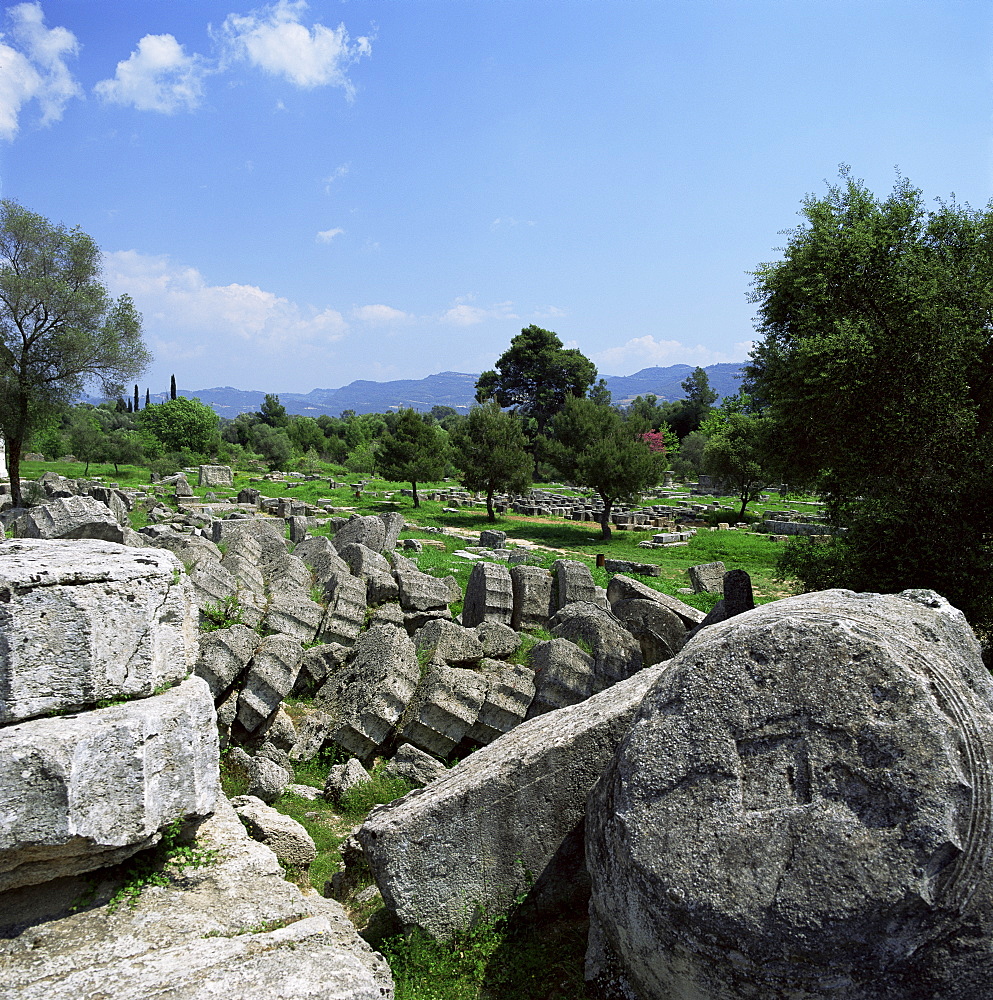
84, 791
803, 809
233, 928
506, 820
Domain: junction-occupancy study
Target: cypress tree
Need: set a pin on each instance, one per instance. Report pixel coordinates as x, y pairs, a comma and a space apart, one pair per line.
136, 399
148, 398
172, 387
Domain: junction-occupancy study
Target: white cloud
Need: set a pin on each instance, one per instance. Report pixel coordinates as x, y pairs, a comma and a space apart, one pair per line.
548, 312
157, 76
645, 352
36, 70
274, 40
335, 175
179, 302
327, 235
380, 315
509, 222
463, 313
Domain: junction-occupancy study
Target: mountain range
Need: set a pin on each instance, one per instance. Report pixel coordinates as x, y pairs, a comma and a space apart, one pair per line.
455, 389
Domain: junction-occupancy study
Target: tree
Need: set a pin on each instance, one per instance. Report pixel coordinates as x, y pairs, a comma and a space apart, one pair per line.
272, 412
595, 446
59, 327
183, 424
536, 375
876, 364
690, 412
737, 454
85, 436
413, 452
136, 399
121, 448
274, 445
148, 398
490, 449
172, 386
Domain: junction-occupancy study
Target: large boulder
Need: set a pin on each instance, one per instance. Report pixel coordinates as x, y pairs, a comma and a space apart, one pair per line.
534, 600
625, 588
616, 652
270, 678
505, 820
421, 591
489, 595
442, 641
71, 517
83, 791
224, 655
86, 621
369, 531
802, 808
444, 708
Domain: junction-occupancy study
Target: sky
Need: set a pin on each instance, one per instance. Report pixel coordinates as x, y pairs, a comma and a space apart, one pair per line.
298, 195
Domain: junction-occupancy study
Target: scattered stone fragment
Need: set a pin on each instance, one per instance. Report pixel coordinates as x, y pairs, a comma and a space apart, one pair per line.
414, 766
563, 675
284, 836
270, 678
707, 578
342, 777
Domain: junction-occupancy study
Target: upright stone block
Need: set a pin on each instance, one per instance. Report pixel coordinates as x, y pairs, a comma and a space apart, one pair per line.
215, 475
489, 595
271, 676
575, 583
534, 601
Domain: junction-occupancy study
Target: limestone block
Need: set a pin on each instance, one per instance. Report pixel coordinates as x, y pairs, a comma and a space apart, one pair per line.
623, 588
313, 732
83, 791
87, 620
499, 641
342, 777
284, 836
509, 693
414, 766
737, 588
492, 539
658, 630
802, 808
245, 569
366, 697
266, 779
393, 524
316, 663
293, 613
224, 655
285, 573
534, 602
707, 578
444, 709
616, 652
446, 642
214, 475
188, 548
270, 678
509, 812
344, 615
420, 591
489, 595
574, 583
267, 533
369, 531
363, 561
563, 675
71, 517
298, 524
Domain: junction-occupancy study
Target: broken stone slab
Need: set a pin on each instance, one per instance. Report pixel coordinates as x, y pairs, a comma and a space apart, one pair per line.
293, 613
86, 620
316, 663
283, 835
707, 578
444, 641
623, 588
232, 928
492, 539
267, 532
312, 735
489, 595
366, 697
421, 591
499, 641
444, 708
212, 584
71, 517
658, 630
369, 531
414, 766
534, 600
816, 776
214, 475
286, 573
342, 777
345, 612
266, 779
616, 652
506, 820
393, 524
574, 583
270, 678
563, 675
84, 791
242, 562
224, 655
509, 693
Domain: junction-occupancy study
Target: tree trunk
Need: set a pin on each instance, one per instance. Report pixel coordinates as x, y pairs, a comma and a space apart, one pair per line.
605, 519
14, 469
489, 506
417, 502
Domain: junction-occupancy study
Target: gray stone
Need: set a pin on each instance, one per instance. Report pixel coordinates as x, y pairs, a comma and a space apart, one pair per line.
367, 696
344, 614
445, 642
489, 595
80, 792
71, 517
563, 675
492, 539
574, 584
212, 583
342, 777
368, 531
214, 475
393, 524
510, 813
623, 588
737, 592
316, 663
286, 573
293, 613
658, 630
509, 693
312, 735
208, 934
499, 641
365, 562
534, 601
707, 578
414, 766
420, 591
616, 653
270, 678
802, 809
245, 570
224, 655
284, 836
266, 532
444, 708
388, 614
298, 524
85, 621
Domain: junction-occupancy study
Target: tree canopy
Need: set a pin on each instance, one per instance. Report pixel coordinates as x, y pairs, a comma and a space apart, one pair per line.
414, 451
183, 424
59, 327
536, 375
876, 364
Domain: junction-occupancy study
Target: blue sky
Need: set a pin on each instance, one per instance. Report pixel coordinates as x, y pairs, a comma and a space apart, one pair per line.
298, 195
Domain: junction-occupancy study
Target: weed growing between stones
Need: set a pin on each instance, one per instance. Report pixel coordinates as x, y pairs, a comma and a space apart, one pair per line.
223, 614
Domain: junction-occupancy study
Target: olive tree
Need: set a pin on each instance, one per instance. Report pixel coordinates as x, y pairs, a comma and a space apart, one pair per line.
59, 327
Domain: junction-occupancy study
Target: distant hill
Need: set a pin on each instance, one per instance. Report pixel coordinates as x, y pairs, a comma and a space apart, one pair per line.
455, 389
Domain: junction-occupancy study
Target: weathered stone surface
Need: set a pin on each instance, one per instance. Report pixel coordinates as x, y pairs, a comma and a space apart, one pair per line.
738, 596
203, 936
284, 836
499, 641
574, 583
563, 675
214, 475
298, 525
71, 517
414, 766
534, 600
86, 620
443, 710
293, 613
420, 591
489, 595
212, 583
243, 560
658, 630
266, 532
342, 777
616, 653
266, 778
344, 614
508, 812
312, 734
623, 588
509, 693
446, 642
224, 654
286, 573
365, 562
366, 697
802, 808
393, 524
492, 539
270, 678
83, 791
388, 614
369, 531
707, 578
316, 663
